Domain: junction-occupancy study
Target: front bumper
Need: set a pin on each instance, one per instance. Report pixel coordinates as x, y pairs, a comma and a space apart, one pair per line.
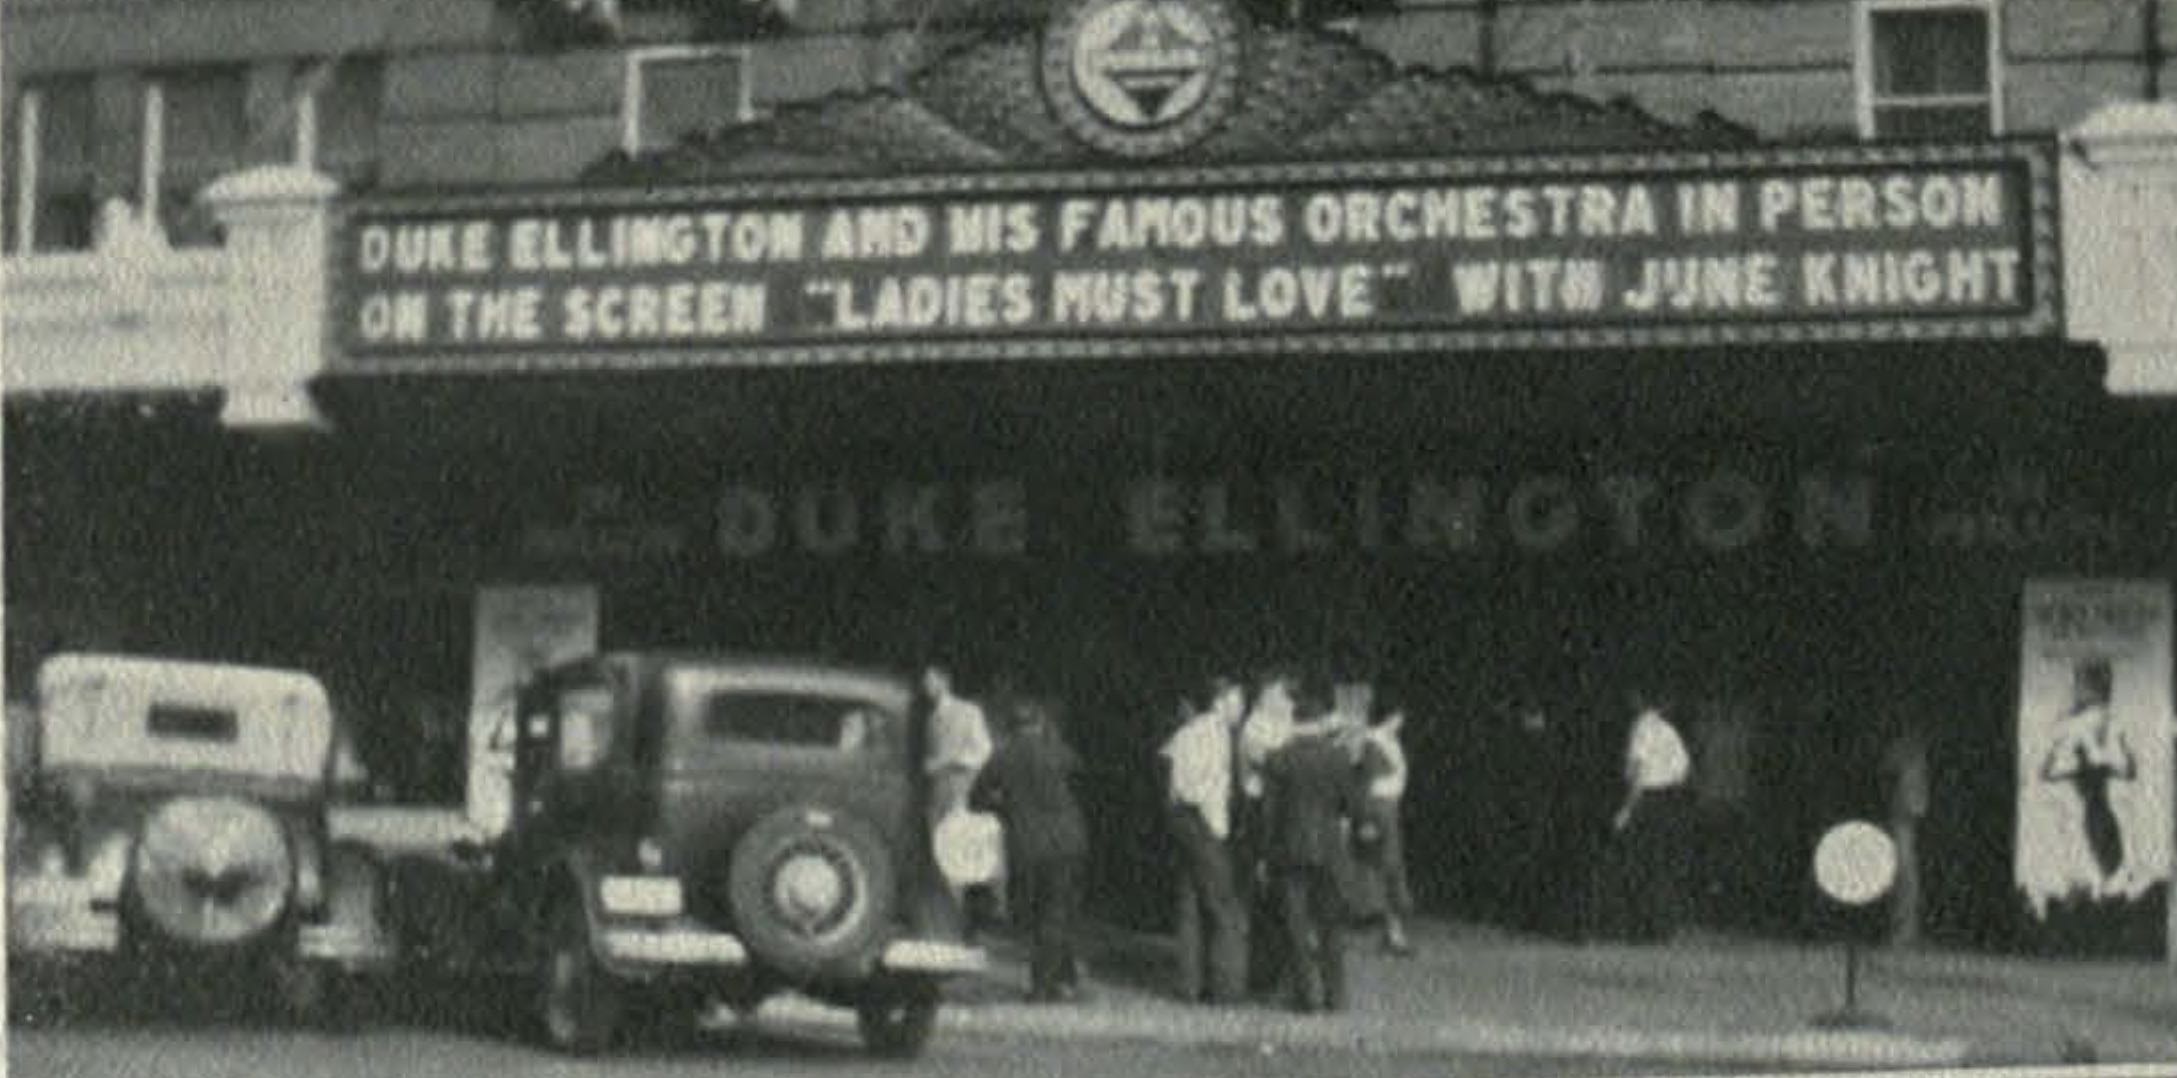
57, 914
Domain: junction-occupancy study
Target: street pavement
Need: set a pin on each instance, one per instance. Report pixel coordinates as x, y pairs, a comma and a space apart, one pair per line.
1474, 1001
191, 1051
1704, 999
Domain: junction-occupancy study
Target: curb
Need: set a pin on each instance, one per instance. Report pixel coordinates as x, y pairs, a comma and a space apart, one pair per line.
1267, 1031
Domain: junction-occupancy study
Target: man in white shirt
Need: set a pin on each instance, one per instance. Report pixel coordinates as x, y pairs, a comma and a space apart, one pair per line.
1381, 838
959, 744
1647, 854
1212, 928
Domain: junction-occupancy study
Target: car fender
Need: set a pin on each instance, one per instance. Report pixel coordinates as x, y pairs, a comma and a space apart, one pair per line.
353, 928
579, 870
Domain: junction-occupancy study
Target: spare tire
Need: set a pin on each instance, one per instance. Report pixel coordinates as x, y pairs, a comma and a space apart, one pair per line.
212, 871
813, 891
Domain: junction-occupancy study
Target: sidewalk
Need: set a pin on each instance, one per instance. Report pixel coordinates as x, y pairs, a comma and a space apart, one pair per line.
1707, 999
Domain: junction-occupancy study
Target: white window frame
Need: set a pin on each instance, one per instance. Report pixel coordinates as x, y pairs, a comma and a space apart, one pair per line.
306, 124
29, 121
151, 162
1863, 61
631, 89
306, 102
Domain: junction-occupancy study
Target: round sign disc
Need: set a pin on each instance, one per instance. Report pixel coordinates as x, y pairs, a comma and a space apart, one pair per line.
1855, 863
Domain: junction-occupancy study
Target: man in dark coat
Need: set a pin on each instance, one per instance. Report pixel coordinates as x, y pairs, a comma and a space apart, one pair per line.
1313, 797
1030, 782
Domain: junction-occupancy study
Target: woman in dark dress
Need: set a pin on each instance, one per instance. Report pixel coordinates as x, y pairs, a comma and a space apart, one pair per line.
1030, 783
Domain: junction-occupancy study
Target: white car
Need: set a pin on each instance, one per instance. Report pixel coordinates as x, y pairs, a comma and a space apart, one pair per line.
173, 814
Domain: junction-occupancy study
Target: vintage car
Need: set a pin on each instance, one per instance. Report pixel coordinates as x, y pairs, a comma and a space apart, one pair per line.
172, 816
689, 831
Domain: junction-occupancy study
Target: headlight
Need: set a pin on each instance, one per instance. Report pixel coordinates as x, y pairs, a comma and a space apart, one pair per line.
641, 896
109, 865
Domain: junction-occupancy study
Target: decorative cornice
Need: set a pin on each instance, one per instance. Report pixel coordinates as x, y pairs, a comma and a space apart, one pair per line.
1304, 93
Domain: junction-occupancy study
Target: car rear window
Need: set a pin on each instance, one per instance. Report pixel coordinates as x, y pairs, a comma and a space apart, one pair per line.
193, 723
793, 719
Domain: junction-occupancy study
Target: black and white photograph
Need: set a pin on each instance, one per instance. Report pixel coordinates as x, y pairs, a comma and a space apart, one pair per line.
1089, 538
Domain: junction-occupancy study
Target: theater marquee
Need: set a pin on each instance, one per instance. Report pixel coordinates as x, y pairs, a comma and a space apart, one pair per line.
1567, 251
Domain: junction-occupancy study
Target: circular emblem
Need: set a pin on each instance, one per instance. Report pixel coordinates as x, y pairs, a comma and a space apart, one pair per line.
1142, 78
1855, 863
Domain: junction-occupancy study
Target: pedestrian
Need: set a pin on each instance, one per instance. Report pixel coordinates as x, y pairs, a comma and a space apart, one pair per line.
959, 746
1645, 855
1029, 782
1312, 799
1211, 932
1531, 776
1906, 783
1379, 838
1268, 727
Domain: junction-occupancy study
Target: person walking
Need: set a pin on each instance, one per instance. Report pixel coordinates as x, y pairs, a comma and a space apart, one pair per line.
1645, 830
1312, 797
1531, 775
1268, 726
1029, 782
1380, 837
1907, 783
1212, 929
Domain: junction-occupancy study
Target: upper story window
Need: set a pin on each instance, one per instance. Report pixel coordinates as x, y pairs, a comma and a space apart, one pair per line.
191, 126
673, 92
196, 129
49, 138
336, 118
1929, 68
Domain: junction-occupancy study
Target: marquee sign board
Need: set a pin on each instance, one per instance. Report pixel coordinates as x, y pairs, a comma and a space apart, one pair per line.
1452, 254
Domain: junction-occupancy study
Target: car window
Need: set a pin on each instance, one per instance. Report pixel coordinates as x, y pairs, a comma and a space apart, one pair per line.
585, 727
193, 723
797, 719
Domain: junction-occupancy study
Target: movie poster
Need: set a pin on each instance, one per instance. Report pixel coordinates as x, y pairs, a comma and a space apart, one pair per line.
519, 630
2094, 731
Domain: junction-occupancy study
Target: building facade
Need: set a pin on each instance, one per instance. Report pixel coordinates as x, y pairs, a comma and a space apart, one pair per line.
1098, 385
148, 102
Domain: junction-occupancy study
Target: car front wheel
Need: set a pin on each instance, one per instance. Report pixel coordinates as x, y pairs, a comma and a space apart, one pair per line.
314, 994
580, 1001
897, 1023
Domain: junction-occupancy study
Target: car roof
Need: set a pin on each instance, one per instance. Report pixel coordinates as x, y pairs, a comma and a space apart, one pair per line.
100, 711
199, 677
770, 668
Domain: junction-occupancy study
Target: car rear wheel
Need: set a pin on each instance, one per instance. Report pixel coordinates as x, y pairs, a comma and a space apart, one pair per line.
897, 1022
579, 1001
314, 994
